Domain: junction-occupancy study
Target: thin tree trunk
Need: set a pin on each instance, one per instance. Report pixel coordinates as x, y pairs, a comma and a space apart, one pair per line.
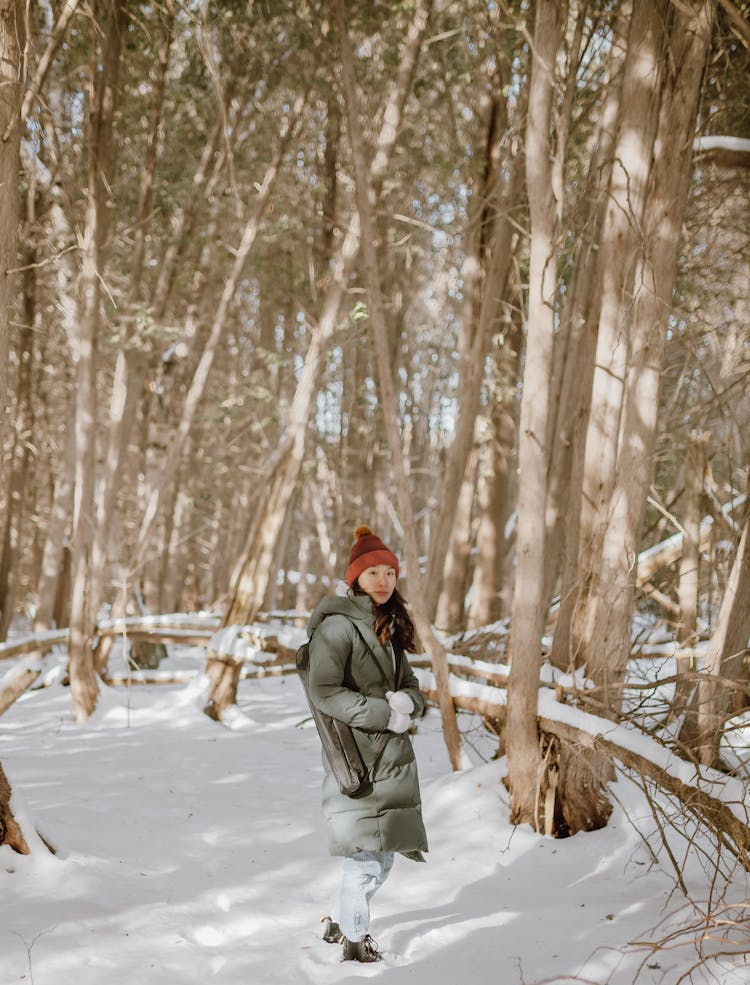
580, 318
103, 90
689, 568
53, 44
146, 192
496, 492
525, 764
451, 607
726, 656
12, 41
485, 273
21, 456
379, 328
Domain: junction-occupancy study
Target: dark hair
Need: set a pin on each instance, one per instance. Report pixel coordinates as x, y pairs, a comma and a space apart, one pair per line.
392, 620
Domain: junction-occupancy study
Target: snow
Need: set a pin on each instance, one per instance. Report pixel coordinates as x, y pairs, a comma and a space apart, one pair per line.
193, 853
722, 143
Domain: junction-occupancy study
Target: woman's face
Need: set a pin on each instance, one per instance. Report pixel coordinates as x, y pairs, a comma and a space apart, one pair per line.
379, 582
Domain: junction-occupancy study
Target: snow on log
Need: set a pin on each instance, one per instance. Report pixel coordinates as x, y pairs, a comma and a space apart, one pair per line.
720, 800
728, 152
41, 642
668, 551
18, 680
712, 810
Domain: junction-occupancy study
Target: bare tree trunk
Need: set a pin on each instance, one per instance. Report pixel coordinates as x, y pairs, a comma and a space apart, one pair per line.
12, 39
496, 484
54, 42
103, 91
146, 192
525, 764
726, 656
20, 458
485, 274
608, 648
610, 567
620, 237
450, 612
380, 336
580, 318
53, 565
689, 569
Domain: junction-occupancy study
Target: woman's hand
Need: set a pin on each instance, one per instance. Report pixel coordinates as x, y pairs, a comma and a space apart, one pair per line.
400, 702
398, 722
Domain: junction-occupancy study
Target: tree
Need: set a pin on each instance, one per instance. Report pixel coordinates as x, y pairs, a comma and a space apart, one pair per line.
11, 48
104, 72
625, 398
251, 577
524, 758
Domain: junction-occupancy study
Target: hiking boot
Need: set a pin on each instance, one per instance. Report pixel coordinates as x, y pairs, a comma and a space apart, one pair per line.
364, 950
331, 931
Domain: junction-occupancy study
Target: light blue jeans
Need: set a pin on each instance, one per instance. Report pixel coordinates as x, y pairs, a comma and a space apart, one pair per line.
362, 875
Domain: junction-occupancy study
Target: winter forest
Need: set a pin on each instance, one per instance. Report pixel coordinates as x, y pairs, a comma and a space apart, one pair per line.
476, 275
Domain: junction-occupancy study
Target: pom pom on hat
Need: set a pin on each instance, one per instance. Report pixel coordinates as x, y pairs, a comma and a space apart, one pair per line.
367, 551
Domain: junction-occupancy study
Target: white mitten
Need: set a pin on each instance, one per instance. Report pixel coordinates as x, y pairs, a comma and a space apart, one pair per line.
398, 722
400, 702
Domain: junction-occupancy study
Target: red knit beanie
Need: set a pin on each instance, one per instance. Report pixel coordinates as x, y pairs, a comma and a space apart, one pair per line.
368, 550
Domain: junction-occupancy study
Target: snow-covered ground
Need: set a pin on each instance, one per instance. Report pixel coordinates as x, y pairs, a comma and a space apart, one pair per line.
191, 853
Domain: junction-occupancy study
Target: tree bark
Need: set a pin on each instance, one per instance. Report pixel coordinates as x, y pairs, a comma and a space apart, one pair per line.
617, 260
622, 427
580, 319
608, 648
10, 830
380, 337
451, 606
12, 41
102, 99
485, 273
525, 764
689, 567
53, 44
727, 654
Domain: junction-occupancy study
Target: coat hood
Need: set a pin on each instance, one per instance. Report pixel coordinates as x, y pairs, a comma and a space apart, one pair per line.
358, 608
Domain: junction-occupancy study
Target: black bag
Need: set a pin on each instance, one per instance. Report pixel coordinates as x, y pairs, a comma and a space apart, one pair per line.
339, 745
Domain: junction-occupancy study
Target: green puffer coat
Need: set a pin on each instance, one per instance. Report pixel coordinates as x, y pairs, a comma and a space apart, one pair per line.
346, 684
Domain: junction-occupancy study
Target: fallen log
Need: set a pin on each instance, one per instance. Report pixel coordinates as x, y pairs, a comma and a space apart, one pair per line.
254, 672
41, 642
16, 682
710, 810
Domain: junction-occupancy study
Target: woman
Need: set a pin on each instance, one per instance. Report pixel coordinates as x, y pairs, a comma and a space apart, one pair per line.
359, 675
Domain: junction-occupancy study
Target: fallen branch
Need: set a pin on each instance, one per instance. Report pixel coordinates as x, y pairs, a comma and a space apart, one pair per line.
712, 811
16, 682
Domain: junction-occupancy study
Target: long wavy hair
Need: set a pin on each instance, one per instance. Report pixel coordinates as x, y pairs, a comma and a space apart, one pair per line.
392, 620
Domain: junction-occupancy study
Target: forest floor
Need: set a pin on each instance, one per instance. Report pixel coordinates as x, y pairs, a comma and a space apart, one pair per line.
191, 853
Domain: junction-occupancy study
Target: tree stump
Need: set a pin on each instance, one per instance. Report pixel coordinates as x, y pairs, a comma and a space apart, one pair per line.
146, 655
10, 830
